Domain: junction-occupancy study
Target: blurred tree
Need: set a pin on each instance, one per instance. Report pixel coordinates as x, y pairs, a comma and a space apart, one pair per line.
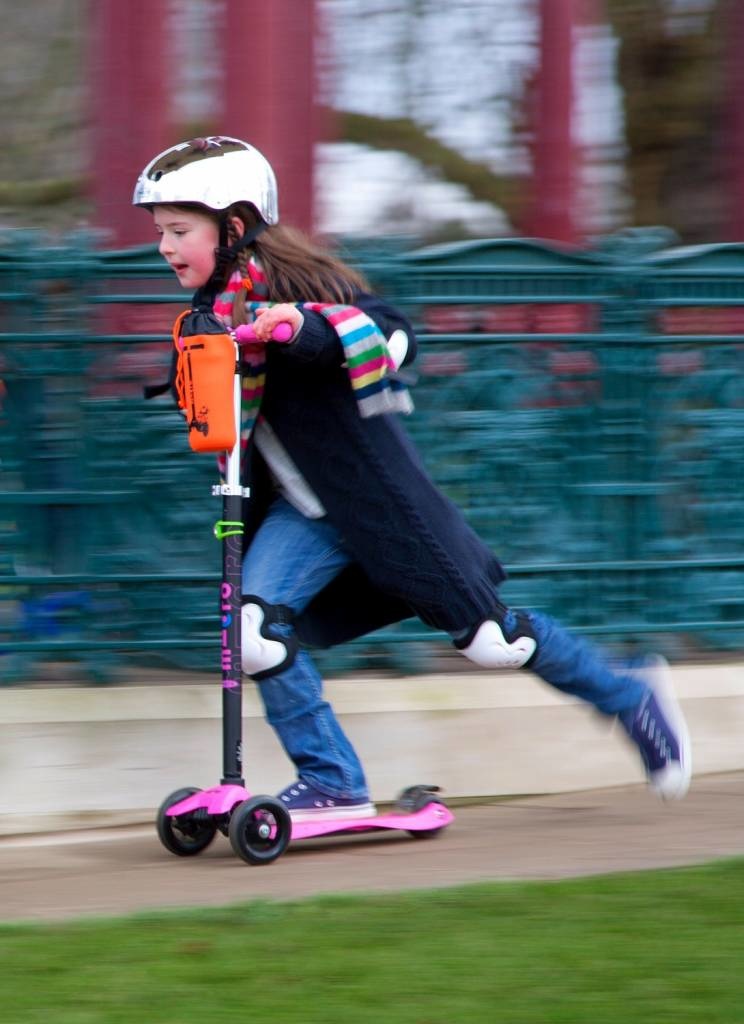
406, 136
672, 77
438, 81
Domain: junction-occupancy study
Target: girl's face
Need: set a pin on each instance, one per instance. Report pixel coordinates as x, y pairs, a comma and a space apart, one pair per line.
188, 239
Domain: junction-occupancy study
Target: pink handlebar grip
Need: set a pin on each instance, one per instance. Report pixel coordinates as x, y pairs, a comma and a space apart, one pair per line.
282, 332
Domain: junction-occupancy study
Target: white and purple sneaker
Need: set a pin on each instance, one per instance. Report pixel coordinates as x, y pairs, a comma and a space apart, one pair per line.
659, 730
306, 803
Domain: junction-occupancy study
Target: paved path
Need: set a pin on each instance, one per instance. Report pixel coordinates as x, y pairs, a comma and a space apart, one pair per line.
111, 872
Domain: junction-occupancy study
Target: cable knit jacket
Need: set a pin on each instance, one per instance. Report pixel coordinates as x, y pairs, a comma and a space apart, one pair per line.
414, 554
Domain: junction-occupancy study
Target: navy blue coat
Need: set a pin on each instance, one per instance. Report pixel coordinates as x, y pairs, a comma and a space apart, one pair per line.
414, 553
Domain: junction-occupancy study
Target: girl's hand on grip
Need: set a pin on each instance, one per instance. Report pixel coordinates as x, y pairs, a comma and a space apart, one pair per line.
268, 320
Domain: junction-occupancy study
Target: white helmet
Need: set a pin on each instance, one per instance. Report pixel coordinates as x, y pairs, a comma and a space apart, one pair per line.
215, 172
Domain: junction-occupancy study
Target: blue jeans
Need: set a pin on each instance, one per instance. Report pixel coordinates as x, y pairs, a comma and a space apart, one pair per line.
290, 560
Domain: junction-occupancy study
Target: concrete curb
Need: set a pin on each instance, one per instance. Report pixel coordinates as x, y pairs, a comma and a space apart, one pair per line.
74, 757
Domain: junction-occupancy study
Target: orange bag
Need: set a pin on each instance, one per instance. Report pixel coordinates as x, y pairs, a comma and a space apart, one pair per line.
205, 379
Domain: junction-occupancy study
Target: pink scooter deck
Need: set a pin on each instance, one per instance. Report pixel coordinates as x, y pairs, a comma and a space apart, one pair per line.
429, 819
223, 799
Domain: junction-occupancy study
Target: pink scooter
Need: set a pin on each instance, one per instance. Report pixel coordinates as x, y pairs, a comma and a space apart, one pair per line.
260, 827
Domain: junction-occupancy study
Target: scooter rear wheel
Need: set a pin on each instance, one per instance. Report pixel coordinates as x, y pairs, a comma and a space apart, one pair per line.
260, 829
414, 799
185, 834
423, 833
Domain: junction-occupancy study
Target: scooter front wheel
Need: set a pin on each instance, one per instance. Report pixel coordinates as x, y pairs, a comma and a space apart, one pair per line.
184, 834
260, 829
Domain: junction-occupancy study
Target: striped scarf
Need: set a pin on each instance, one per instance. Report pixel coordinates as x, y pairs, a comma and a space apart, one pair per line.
368, 361
371, 369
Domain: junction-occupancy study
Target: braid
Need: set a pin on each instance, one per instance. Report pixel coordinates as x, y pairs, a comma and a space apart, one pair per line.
242, 259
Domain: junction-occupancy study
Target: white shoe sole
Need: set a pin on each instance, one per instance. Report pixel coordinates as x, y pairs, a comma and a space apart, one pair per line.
333, 813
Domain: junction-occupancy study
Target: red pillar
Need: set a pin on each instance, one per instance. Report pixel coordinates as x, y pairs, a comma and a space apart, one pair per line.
269, 94
129, 110
553, 212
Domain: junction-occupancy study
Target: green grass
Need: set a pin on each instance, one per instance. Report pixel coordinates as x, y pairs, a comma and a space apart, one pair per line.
656, 947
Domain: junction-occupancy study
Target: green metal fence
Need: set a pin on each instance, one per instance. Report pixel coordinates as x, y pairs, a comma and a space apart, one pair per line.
585, 409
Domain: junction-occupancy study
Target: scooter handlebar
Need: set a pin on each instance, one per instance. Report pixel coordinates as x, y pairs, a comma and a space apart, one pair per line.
282, 332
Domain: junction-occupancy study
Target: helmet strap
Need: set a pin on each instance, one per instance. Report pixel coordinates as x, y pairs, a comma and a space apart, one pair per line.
224, 255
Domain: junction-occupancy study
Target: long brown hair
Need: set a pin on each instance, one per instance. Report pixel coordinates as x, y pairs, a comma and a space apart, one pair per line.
296, 268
